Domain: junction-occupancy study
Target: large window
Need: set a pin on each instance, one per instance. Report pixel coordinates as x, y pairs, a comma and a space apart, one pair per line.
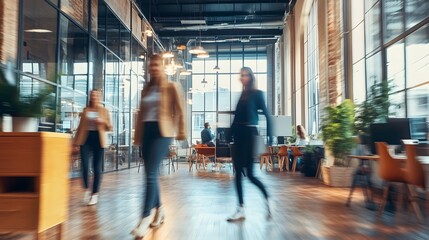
396, 50
312, 66
61, 53
215, 95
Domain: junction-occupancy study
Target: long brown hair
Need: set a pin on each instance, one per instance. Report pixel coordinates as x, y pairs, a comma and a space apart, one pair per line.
90, 92
300, 131
252, 82
156, 57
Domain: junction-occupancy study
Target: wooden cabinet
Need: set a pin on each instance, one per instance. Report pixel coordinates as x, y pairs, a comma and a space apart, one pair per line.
34, 181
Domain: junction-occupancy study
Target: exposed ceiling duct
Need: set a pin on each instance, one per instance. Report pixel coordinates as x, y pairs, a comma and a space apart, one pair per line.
264, 25
239, 40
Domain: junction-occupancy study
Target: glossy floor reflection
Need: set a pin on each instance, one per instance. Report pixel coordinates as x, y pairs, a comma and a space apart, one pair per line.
197, 204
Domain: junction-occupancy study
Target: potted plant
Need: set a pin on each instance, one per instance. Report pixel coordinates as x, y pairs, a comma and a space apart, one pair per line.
24, 110
337, 134
375, 108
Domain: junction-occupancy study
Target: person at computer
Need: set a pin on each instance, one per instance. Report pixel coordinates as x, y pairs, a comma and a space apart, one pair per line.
207, 136
301, 140
301, 136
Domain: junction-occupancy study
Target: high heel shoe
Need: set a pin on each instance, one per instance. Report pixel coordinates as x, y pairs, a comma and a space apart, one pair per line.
159, 218
141, 229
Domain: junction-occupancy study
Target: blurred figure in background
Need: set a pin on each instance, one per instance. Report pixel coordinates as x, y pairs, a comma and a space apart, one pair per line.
91, 137
161, 114
301, 136
207, 136
244, 131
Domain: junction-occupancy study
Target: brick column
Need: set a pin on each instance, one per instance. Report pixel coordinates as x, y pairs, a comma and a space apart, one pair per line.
335, 54
8, 30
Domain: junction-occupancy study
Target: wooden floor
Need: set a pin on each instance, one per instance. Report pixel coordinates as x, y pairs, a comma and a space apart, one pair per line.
198, 203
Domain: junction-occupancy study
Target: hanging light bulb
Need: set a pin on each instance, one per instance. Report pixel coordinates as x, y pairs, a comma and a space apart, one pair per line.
197, 50
216, 69
203, 55
149, 33
168, 54
181, 47
185, 73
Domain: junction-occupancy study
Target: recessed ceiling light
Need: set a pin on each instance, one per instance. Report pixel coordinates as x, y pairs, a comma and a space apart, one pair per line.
38, 30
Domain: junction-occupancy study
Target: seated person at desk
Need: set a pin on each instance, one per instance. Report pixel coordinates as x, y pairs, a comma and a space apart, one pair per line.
207, 137
301, 140
301, 136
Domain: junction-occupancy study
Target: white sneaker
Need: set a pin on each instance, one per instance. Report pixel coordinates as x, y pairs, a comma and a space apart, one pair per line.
159, 218
237, 216
94, 200
141, 229
87, 196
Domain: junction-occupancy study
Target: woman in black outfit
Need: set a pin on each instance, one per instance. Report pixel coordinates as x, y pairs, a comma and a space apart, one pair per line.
244, 131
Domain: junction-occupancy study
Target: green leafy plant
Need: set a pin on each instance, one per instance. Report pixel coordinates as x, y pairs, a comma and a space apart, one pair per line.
337, 131
375, 108
292, 139
12, 103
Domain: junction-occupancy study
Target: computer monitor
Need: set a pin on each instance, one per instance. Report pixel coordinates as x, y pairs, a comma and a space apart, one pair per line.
418, 127
391, 133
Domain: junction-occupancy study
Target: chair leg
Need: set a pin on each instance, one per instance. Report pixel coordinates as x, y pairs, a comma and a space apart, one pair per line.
280, 161
318, 169
384, 201
295, 160
286, 160
414, 203
261, 162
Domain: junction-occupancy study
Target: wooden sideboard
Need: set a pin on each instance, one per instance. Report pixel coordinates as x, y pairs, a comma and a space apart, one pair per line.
34, 181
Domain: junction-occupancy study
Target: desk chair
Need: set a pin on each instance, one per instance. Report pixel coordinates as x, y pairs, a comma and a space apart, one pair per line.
415, 177
296, 153
390, 171
266, 158
172, 155
283, 157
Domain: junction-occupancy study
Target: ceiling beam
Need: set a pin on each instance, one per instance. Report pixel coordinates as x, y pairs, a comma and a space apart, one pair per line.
219, 33
169, 2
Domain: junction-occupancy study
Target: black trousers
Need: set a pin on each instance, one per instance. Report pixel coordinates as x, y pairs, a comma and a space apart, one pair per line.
92, 146
154, 148
243, 156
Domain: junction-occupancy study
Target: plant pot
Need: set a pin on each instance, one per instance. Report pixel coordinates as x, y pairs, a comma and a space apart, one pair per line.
338, 176
25, 124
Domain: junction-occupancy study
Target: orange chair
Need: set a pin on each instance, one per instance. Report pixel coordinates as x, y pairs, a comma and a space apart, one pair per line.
390, 171
296, 153
266, 158
415, 176
283, 156
204, 154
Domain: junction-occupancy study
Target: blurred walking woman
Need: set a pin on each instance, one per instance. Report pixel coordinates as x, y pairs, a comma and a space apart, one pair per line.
91, 137
244, 130
159, 120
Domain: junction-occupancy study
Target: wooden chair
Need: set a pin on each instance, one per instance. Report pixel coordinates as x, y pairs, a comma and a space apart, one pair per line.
204, 154
415, 177
266, 158
390, 171
172, 155
283, 158
296, 153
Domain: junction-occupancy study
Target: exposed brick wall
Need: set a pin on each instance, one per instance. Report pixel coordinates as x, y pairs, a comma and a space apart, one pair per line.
8, 30
335, 61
